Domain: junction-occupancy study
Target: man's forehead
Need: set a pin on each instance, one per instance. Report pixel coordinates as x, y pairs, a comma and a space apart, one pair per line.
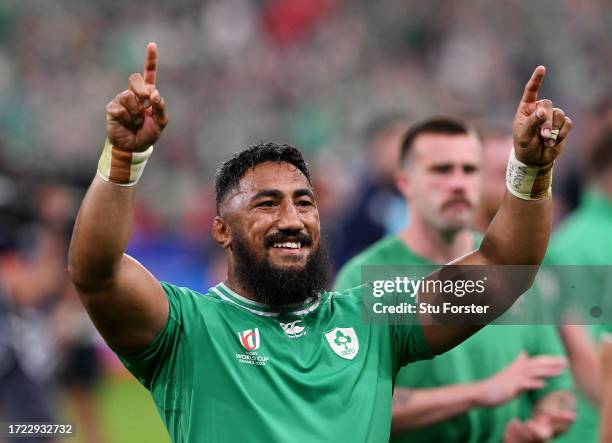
442, 147
281, 176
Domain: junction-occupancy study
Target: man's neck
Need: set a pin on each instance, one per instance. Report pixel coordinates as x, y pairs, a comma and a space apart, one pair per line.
435, 245
232, 283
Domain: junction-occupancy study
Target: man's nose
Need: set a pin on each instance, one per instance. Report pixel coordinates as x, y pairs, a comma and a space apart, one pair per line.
289, 218
458, 180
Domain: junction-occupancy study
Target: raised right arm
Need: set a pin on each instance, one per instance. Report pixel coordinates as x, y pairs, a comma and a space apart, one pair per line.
125, 302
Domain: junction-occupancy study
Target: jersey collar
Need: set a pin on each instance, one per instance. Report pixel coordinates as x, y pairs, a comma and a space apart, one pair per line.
226, 294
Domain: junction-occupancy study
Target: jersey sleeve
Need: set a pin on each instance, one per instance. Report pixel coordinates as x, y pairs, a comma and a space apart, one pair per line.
406, 336
545, 340
147, 365
409, 344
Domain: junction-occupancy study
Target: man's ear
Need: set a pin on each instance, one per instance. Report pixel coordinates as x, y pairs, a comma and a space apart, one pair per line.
402, 182
222, 232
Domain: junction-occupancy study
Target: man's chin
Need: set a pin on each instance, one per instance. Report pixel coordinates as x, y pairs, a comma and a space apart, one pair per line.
456, 225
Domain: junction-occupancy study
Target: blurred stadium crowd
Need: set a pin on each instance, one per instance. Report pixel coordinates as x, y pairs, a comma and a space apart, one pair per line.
338, 79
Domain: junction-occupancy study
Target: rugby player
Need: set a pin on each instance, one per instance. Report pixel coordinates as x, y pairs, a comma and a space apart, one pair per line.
268, 355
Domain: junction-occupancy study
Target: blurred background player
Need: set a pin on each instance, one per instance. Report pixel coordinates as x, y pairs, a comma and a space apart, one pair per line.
585, 238
482, 390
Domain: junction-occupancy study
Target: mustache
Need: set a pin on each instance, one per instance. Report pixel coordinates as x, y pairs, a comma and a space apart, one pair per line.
282, 237
452, 201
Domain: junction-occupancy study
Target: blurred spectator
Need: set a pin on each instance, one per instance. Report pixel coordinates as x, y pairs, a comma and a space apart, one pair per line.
378, 208
305, 72
25, 361
31, 273
46, 335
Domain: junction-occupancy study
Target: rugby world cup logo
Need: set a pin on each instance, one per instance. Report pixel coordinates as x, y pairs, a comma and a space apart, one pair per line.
249, 339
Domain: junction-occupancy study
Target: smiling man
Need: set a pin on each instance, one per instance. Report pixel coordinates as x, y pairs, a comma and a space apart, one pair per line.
271, 225
268, 355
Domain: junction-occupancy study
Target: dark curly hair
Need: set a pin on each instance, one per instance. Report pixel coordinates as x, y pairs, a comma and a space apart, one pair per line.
230, 172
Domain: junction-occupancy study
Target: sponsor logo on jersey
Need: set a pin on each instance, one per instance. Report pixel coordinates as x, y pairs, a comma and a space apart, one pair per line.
293, 329
343, 342
249, 339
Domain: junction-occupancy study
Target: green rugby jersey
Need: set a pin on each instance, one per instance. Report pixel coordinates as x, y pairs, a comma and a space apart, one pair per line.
228, 369
487, 352
584, 239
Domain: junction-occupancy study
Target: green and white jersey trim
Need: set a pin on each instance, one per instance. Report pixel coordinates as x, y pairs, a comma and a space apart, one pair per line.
226, 294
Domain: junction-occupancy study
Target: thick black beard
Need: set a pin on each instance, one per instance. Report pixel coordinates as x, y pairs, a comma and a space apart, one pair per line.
279, 287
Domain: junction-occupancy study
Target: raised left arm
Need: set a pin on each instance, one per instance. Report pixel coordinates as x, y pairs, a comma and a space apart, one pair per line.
519, 233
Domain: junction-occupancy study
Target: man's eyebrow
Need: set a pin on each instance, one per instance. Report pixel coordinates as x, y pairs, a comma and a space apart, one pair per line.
267, 193
275, 193
303, 192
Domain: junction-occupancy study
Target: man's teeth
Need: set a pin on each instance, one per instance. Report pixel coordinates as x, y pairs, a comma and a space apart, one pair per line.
290, 245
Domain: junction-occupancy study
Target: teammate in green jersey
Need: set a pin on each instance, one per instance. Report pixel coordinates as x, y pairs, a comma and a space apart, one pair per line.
473, 392
584, 238
267, 355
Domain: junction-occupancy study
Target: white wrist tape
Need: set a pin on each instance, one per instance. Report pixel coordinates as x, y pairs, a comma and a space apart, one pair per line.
121, 167
528, 182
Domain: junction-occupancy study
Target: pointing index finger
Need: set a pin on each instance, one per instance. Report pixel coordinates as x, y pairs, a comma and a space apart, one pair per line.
530, 95
149, 71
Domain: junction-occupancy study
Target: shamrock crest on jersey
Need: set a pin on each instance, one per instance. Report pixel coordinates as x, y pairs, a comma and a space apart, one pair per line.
343, 342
